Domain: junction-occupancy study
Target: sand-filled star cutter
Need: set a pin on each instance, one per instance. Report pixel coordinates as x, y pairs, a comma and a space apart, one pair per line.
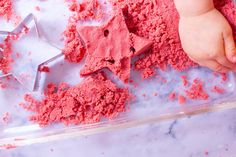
30, 51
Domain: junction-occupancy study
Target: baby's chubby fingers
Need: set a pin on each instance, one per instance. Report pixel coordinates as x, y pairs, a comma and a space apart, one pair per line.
215, 66
230, 47
226, 63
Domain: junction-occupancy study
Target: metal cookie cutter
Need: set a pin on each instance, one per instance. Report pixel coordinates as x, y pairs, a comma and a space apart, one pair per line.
30, 52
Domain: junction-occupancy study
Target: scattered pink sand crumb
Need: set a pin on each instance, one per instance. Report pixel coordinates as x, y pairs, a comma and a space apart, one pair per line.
16, 19
5, 55
196, 90
155, 94
6, 9
18, 55
37, 8
181, 99
25, 30
224, 77
6, 118
172, 96
131, 81
161, 79
218, 90
135, 84
29, 53
45, 69
88, 102
3, 85
8, 146
184, 80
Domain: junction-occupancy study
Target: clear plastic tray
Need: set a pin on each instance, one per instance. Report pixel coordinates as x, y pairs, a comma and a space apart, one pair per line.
147, 108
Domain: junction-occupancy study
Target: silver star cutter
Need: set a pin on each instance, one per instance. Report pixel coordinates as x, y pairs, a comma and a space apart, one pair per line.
30, 51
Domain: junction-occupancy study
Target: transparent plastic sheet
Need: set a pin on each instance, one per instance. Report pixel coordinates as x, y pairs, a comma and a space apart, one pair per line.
143, 110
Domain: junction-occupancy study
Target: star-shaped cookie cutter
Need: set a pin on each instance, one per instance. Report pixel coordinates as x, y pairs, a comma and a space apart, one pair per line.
25, 67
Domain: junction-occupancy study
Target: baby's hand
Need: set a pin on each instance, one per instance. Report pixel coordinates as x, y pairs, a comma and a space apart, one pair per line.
207, 38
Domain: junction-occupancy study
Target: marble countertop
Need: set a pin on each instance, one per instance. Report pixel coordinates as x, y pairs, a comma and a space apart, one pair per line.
212, 135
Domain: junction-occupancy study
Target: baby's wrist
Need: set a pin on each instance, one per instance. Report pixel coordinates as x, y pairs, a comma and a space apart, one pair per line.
190, 8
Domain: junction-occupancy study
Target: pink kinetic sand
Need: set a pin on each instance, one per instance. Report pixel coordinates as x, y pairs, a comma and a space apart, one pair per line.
111, 46
6, 9
88, 102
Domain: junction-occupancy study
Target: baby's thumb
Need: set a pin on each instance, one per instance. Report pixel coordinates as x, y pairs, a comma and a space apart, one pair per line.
230, 48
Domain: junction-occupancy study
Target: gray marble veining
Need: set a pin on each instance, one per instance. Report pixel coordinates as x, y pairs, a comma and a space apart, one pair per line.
212, 135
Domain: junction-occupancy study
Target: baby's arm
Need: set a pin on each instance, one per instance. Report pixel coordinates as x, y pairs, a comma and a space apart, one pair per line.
206, 35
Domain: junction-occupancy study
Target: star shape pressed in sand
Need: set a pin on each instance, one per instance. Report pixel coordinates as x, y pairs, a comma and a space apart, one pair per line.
29, 52
111, 46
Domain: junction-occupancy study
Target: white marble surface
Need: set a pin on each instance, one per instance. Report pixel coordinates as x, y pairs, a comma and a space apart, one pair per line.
212, 135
